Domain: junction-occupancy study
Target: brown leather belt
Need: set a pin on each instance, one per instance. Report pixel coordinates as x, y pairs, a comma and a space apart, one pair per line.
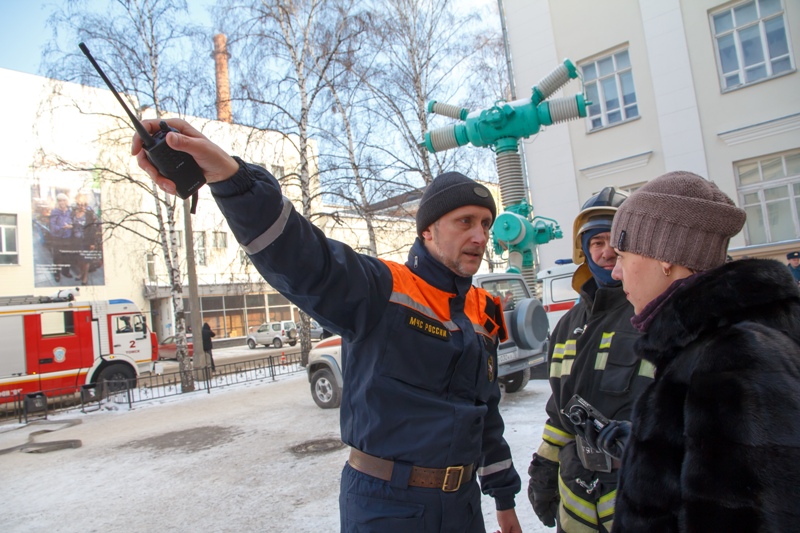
448, 479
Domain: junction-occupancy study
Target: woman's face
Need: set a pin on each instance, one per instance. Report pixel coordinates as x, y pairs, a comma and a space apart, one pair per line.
642, 278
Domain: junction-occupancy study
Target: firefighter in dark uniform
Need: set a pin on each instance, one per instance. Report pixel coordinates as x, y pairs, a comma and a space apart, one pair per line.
419, 353
591, 354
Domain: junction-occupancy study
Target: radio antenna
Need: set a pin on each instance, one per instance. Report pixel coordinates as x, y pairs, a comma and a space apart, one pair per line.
147, 139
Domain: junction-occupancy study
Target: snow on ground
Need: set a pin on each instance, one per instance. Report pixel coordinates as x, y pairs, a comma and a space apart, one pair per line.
218, 462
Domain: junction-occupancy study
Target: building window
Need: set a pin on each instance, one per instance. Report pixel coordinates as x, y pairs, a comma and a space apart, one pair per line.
200, 248
608, 82
220, 239
244, 259
278, 171
769, 191
151, 267
751, 42
8, 240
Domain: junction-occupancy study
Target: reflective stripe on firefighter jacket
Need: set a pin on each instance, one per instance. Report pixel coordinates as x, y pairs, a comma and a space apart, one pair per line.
419, 351
591, 354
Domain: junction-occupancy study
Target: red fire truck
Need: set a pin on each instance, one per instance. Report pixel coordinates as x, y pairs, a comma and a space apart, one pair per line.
60, 344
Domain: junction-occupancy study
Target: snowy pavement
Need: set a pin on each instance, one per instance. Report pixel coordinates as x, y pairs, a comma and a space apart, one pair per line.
219, 462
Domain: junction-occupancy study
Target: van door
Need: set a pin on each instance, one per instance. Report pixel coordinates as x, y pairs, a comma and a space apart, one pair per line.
129, 336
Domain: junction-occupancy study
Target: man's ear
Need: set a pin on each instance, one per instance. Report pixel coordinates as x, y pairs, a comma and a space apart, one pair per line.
427, 235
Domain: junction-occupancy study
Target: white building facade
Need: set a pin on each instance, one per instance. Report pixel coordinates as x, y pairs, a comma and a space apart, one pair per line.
54, 141
701, 85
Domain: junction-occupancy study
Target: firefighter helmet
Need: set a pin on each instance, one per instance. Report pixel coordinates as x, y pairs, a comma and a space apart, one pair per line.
597, 211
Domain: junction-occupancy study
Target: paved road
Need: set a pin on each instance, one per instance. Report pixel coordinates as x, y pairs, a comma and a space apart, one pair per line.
235, 354
229, 461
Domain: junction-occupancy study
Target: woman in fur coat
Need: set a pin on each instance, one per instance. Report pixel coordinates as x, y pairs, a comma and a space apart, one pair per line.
715, 440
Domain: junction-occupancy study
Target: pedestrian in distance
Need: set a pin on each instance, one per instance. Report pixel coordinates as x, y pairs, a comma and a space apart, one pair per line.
572, 482
794, 265
420, 399
714, 441
208, 344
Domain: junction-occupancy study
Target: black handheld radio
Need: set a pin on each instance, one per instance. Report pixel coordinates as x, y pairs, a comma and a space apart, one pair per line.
179, 167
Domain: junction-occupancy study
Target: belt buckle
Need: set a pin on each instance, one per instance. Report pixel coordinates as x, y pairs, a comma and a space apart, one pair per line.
452, 471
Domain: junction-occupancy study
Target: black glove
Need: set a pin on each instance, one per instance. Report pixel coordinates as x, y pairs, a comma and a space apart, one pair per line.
543, 489
614, 437
588, 432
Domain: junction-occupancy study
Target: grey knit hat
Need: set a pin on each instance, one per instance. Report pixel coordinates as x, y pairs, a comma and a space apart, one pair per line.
450, 191
679, 218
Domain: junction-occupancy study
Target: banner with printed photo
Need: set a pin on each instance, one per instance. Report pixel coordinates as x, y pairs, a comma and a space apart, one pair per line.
67, 234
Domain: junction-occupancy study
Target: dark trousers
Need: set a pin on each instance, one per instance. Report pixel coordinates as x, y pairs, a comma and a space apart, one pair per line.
371, 505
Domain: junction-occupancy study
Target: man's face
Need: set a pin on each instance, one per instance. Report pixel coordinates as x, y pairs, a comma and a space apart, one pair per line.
62, 203
458, 239
601, 251
794, 261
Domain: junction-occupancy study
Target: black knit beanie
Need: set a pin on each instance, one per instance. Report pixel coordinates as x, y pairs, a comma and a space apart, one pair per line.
450, 191
679, 218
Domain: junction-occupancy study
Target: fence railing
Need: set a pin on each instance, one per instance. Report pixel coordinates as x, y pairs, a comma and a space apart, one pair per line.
148, 387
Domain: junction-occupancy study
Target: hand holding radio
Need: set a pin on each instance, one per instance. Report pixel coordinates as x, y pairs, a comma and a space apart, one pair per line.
213, 161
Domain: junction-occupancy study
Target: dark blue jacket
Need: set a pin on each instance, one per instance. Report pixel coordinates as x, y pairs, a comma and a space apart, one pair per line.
417, 389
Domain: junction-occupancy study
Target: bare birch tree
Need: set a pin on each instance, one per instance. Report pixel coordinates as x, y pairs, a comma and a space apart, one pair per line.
139, 44
284, 50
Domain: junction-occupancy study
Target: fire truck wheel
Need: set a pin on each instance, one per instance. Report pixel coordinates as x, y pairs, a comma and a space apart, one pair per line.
516, 382
117, 377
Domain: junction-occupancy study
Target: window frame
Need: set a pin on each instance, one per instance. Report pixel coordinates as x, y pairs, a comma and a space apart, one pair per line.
788, 180
200, 248
616, 74
735, 31
4, 252
220, 239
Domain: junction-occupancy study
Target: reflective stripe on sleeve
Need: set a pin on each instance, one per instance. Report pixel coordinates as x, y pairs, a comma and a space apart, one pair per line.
555, 436
494, 468
548, 451
273, 232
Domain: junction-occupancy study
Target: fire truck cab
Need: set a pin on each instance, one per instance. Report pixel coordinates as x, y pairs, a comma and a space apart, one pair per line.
59, 344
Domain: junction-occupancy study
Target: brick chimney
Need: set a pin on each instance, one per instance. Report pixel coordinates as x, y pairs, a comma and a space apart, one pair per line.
223, 81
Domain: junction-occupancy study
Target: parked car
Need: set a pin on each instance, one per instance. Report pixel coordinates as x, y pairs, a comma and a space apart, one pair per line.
318, 332
325, 372
273, 334
167, 349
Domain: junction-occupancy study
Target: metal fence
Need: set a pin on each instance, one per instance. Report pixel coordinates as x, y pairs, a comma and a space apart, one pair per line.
148, 387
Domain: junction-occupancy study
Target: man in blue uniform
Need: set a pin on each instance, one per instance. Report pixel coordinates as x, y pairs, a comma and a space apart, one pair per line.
794, 264
420, 397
